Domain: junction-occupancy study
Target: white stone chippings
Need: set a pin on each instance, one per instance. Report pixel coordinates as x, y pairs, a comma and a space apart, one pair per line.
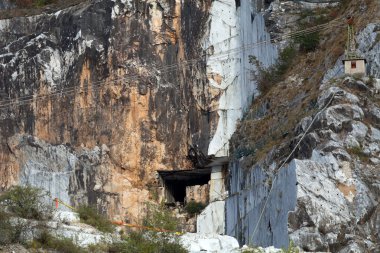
231, 29
209, 243
128, 3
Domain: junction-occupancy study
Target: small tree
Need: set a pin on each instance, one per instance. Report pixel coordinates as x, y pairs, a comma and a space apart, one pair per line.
193, 207
27, 202
308, 42
155, 237
160, 217
90, 215
268, 77
8, 232
24, 202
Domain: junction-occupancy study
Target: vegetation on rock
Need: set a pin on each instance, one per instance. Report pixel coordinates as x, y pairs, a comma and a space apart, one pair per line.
62, 245
21, 202
308, 42
158, 216
26, 202
32, 3
90, 216
268, 77
147, 242
160, 238
10, 233
193, 207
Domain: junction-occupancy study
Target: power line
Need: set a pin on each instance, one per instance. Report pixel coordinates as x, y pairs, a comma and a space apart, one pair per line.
251, 187
285, 161
168, 68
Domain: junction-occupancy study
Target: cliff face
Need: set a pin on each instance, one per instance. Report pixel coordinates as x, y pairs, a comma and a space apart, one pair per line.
4, 5
89, 112
236, 27
98, 96
325, 195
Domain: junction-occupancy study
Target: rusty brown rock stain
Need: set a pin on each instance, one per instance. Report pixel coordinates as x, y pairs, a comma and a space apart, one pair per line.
42, 108
216, 77
9, 171
349, 191
178, 28
116, 114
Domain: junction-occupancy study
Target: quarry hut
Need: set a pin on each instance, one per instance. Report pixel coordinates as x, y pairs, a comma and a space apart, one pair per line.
353, 62
355, 65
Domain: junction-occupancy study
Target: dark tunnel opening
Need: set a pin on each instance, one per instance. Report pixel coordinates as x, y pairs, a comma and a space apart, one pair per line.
175, 182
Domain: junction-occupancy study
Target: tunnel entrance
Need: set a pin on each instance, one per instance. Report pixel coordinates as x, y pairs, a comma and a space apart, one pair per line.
175, 182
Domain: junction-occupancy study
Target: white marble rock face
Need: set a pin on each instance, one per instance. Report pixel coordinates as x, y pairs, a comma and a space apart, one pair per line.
212, 219
233, 35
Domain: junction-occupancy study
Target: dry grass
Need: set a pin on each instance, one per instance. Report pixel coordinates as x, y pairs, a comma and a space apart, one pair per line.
284, 109
27, 8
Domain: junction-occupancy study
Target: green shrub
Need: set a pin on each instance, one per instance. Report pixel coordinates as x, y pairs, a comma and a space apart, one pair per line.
268, 77
62, 245
148, 242
160, 217
291, 249
99, 247
40, 3
90, 216
23, 3
134, 242
21, 202
359, 152
9, 233
152, 241
27, 202
193, 207
307, 42
31, 3
371, 81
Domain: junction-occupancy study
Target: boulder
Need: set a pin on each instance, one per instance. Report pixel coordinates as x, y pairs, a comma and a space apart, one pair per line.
66, 217
211, 220
209, 243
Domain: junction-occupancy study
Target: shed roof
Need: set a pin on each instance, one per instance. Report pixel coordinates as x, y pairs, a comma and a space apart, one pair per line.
184, 174
355, 59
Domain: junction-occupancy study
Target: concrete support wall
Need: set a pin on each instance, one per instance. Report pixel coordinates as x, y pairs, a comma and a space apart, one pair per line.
217, 187
212, 218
